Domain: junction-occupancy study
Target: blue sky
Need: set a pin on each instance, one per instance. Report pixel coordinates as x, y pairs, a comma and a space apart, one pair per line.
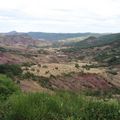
60, 15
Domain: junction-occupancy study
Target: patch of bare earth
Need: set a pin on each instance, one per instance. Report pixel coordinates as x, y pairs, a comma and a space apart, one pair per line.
115, 79
9, 58
31, 86
78, 82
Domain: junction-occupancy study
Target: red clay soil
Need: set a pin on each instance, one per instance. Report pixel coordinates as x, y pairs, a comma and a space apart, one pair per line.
5, 58
78, 82
8, 58
31, 86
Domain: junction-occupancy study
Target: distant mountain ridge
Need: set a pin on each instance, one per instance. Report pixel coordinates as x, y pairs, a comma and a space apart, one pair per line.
58, 36
52, 36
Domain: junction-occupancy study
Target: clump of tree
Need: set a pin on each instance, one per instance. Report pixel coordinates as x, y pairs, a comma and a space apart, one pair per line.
43, 81
47, 72
77, 65
42, 51
39, 65
112, 71
38, 70
87, 67
31, 76
11, 70
56, 68
44, 66
33, 69
67, 74
28, 64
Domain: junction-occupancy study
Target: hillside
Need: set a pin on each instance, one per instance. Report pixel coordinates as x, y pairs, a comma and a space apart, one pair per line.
34, 77
20, 40
105, 49
93, 41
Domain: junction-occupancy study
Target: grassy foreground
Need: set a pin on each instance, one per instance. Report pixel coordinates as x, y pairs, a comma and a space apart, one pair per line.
62, 106
59, 106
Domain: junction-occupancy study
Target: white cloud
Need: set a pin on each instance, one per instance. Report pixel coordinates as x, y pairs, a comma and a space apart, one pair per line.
60, 15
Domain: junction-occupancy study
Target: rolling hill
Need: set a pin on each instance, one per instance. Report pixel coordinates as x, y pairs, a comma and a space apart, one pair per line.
52, 36
97, 41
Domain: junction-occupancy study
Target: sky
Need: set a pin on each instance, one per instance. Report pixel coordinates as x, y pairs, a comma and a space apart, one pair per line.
60, 16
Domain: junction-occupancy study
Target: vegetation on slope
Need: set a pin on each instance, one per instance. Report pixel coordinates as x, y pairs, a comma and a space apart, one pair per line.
95, 42
60, 106
111, 55
7, 87
105, 49
10, 70
15, 105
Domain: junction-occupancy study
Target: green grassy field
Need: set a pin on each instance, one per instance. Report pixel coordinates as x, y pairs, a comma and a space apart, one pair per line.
62, 106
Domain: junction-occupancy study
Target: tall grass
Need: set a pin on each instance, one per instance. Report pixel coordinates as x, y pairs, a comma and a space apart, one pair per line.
7, 86
60, 106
